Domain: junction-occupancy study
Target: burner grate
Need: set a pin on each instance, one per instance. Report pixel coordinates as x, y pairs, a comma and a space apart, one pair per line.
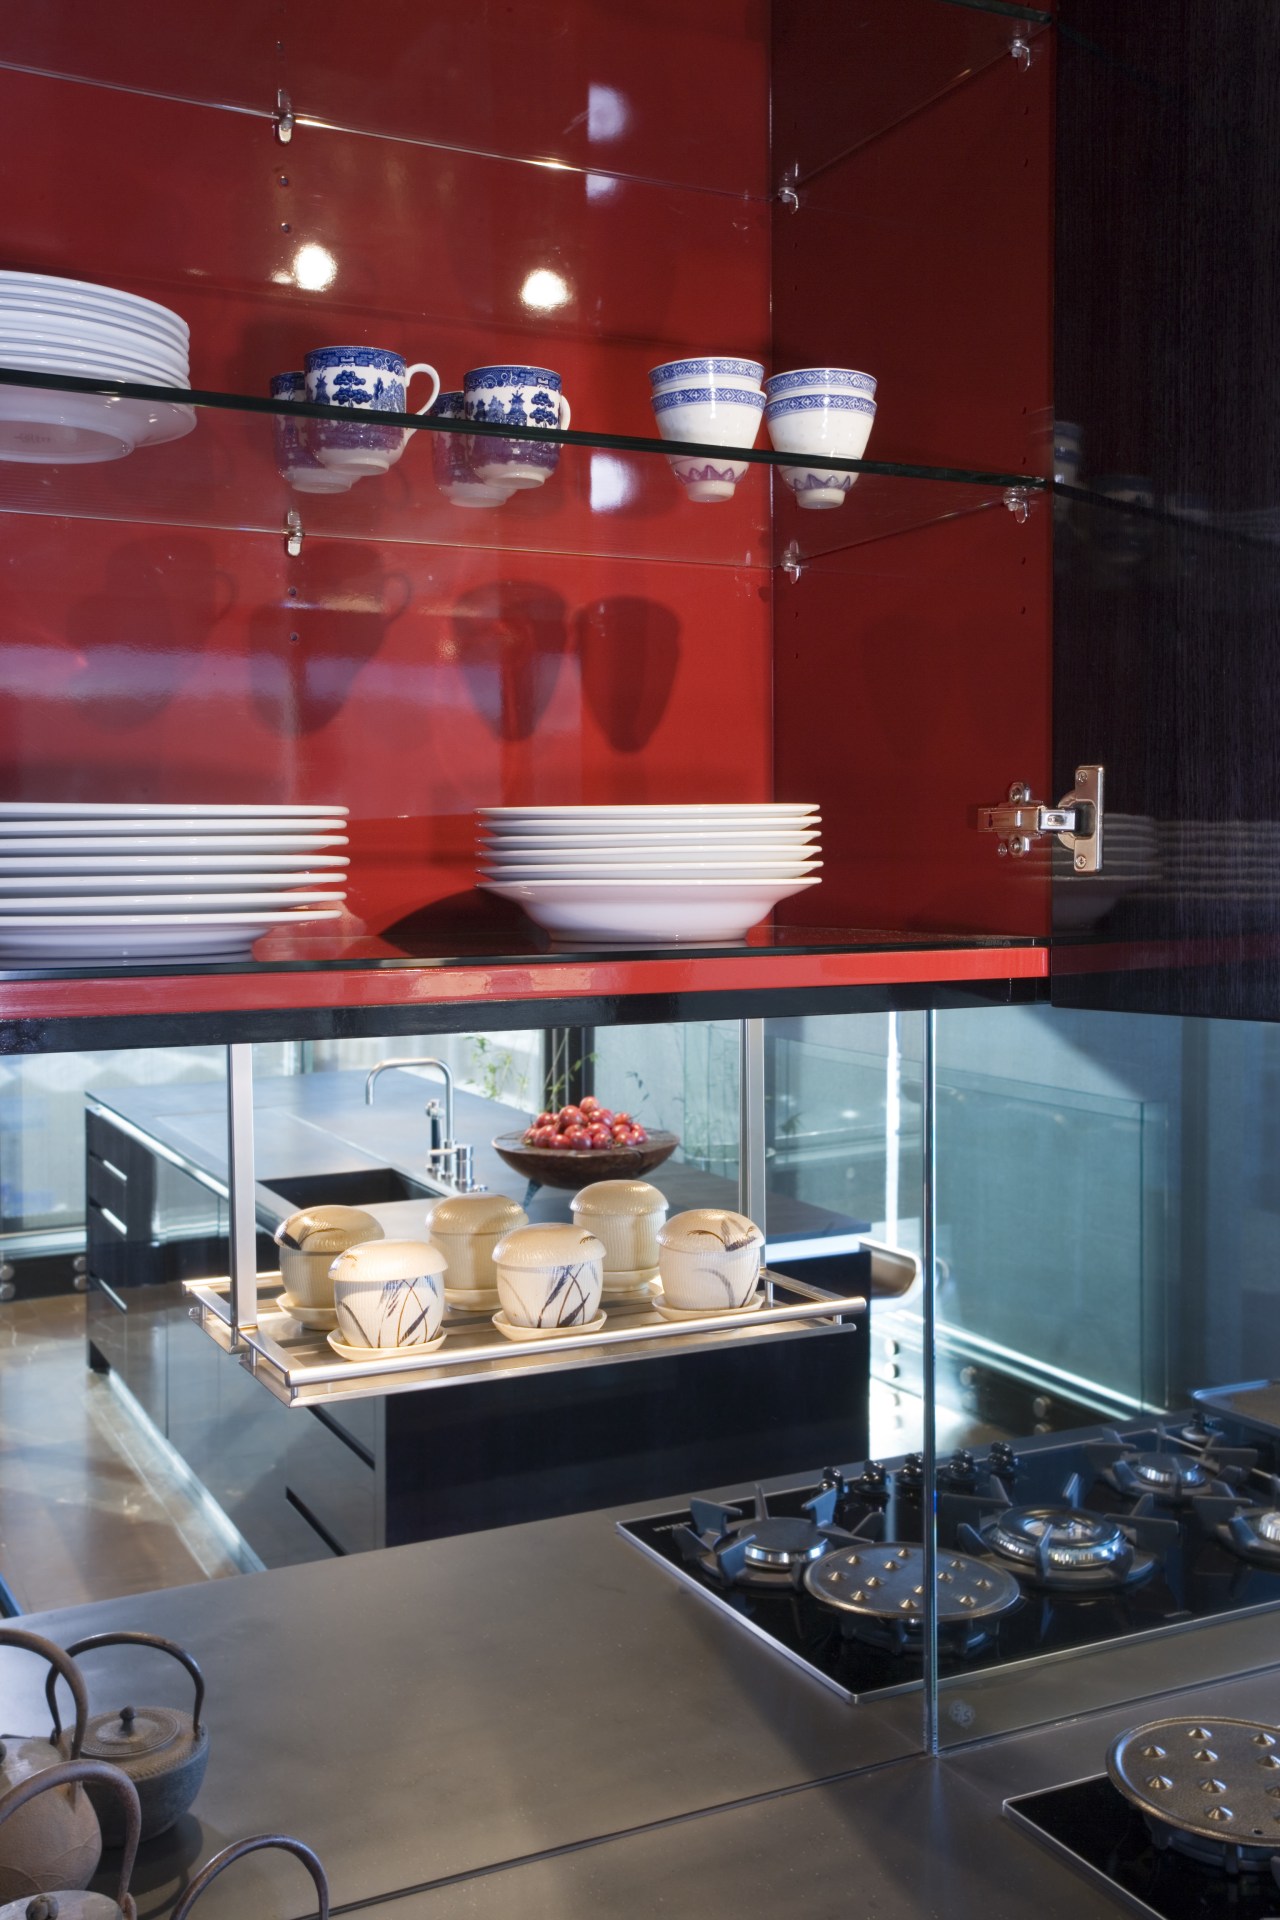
1207, 1788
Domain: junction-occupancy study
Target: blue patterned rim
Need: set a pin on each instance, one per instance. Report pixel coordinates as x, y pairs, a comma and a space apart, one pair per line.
823, 379
707, 397
700, 369
288, 386
381, 359
819, 403
486, 377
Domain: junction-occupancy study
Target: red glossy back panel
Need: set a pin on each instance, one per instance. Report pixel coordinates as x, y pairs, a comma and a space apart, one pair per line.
413, 682
913, 676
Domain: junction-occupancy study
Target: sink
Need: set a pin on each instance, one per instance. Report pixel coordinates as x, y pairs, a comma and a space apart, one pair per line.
356, 1187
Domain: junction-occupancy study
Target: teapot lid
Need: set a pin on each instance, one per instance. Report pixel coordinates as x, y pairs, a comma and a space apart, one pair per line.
135, 1733
703, 1228
548, 1244
326, 1229
619, 1198
476, 1213
380, 1260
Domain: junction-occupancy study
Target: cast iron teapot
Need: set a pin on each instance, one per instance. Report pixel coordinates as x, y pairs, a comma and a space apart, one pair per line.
56, 1843
236, 1851
75, 1776
164, 1753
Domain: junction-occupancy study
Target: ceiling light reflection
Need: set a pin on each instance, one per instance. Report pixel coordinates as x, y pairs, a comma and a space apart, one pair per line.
314, 267
545, 290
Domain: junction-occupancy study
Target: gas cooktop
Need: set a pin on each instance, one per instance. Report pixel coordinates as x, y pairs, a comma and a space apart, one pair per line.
1061, 1541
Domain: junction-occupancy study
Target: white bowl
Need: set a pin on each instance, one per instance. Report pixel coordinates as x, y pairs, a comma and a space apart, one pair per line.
635, 912
42, 428
820, 380
715, 416
707, 370
709, 1258
549, 1276
831, 423
389, 1293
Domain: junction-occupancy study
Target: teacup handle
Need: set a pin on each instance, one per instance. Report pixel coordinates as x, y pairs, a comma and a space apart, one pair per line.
423, 366
565, 415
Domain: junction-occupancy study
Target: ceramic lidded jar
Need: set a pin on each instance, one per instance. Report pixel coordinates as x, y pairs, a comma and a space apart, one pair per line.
709, 1259
389, 1293
549, 1276
625, 1215
308, 1242
467, 1227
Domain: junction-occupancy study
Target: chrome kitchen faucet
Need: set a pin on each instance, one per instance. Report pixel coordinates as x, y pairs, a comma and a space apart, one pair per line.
447, 1158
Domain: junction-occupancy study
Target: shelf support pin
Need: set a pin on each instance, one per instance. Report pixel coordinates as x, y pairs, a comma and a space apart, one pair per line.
1018, 503
787, 192
791, 563
1020, 52
293, 533
283, 117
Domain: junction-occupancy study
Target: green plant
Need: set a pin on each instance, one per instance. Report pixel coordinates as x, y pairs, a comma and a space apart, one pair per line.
493, 1069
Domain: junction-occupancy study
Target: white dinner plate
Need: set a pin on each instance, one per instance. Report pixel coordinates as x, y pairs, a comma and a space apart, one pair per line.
14, 828
110, 360
205, 918
50, 289
265, 904
623, 870
34, 885
34, 865
750, 841
691, 856
89, 330
639, 913
136, 843
521, 818
163, 809
39, 314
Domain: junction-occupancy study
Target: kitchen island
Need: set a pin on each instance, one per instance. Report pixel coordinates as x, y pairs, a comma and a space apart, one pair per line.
535, 1721
299, 1484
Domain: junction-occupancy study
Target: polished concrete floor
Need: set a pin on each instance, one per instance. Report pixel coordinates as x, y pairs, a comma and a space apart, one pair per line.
91, 1506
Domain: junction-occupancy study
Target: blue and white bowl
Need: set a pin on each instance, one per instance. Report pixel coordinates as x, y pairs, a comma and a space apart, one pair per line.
710, 370
718, 416
821, 380
837, 424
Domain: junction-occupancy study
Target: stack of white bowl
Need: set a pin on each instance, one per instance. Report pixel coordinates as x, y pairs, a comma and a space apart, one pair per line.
657, 873
120, 882
49, 325
716, 401
820, 410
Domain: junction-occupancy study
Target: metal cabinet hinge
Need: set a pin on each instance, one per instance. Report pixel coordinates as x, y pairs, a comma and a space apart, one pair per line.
1076, 820
283, 117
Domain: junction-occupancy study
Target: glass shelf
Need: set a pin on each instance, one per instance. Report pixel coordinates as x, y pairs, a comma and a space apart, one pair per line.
609, 494
603, 106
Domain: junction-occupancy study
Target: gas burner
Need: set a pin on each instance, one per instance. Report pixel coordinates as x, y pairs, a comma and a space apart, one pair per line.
1251, 1532
1166, 1473
1063, 1548
763, 1550
1201, 1432
880, 1590
1209, 1789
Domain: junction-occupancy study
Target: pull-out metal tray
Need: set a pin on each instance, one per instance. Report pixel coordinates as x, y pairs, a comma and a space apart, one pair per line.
300, 1367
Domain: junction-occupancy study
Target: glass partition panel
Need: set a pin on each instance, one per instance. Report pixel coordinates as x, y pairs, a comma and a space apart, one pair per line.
1106, 1329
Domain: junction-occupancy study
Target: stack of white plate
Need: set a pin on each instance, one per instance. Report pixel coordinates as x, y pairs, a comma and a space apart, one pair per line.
49, 325
106, 882
634, 874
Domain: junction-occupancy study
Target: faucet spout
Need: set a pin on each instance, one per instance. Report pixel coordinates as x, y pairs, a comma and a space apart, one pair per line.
423, 1060
445, 1158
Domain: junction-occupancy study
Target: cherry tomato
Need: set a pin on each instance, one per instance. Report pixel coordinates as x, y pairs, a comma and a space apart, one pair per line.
575, 1136
545, 1137
569, 1116
624, 1119
588, 1103
545, 1120
604, 1116
619, 1129
599, 1136
637, 1137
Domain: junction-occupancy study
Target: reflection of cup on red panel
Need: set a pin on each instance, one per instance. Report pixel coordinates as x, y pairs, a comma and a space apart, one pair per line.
295, 457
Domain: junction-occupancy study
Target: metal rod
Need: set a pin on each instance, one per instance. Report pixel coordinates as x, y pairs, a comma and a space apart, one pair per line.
244, 1226
751, 1158
928, 1256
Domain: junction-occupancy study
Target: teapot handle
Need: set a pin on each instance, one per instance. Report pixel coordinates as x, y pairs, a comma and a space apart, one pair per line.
236, 1851
72, 1773
61, 1664
130, 1640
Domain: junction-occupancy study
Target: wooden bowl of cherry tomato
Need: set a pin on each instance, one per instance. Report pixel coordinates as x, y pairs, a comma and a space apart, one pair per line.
582, 1143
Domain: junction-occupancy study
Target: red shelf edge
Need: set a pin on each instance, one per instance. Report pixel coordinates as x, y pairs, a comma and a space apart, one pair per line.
538, 980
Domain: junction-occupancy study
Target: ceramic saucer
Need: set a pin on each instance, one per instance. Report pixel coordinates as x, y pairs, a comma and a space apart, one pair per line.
706, 1313
384, 1353
510, 1331
481, 1300
641, 1296
319, 1319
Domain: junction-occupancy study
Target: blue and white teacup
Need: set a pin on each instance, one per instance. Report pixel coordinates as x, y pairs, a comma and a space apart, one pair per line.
706, 371
295, 456
372, 378
722, 416
514, 397
820, 380
838, 424
451, 460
